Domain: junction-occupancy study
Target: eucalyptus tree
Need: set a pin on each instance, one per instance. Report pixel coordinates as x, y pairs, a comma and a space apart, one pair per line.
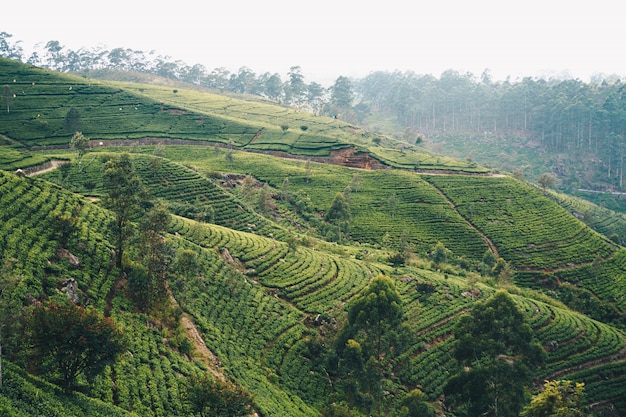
9, 49
272, 86
342, 93
296, 87
315, 96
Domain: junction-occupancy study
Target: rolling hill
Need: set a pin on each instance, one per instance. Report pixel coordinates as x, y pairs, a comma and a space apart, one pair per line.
271, 282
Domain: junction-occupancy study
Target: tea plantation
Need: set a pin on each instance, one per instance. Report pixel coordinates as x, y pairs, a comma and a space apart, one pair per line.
259, 283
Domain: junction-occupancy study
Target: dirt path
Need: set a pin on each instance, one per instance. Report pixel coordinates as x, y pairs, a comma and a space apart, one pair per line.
48, 166
200, 350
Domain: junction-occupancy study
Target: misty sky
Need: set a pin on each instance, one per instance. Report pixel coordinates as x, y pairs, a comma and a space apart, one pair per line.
328, 38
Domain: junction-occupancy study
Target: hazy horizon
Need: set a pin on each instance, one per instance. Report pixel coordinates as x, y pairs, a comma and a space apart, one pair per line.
329, 39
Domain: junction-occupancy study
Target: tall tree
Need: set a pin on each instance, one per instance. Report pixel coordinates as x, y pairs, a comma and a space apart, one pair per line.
274, 87
297, 87
342, 93
315, 96
123, 195
373, 335
9, 50
10, 309
155, 253
79, 143
497, 354
339, 213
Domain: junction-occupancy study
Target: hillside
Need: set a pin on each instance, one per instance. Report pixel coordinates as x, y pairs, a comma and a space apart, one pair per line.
38, 102
261, 280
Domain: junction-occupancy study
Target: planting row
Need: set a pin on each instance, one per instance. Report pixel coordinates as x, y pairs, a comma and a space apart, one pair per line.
240, 323
529, 230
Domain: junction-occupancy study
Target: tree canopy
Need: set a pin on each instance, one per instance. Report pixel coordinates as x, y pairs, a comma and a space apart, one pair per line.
562, 398
70, 341
497, 354
373, 335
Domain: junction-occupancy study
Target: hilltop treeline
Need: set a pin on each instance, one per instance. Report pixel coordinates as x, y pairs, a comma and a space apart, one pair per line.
294, 91
563, 114
569, 119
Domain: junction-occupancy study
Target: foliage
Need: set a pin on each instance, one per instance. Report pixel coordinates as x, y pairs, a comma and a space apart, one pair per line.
561, 398
71, 341
123, 196
373, 334
155, 254
546, 180
414, 404
80, 144
496, 347
65, 224
11, 313
214, 397
440, 253
338, 213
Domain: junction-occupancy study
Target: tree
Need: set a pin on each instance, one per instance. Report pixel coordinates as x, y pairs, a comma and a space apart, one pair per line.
355, 183
559, 399
10, 308
64, 224
80, 144
339, 213
315, 96
414, 405
123, 190
8, 50
72, 120
497, 354
229, 158
274, 87
546, 180
440, 253
214, 397
70, 340
297, 87
342, 93
393, 204
264, 200
373, 335
155, 253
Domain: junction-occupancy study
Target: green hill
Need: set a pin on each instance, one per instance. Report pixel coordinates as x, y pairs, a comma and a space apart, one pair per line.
38, 102
259, 280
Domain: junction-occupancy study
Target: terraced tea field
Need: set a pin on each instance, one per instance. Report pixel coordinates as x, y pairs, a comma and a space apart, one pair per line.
267, 298
529, 230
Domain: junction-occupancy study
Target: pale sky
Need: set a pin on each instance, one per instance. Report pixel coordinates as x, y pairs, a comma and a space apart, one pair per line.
329, 38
